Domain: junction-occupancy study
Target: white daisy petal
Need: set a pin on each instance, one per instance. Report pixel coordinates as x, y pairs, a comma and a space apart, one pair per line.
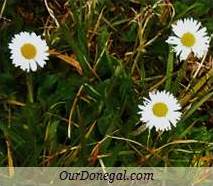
173, 40
160, 111
33, 65
28, 50
190, 37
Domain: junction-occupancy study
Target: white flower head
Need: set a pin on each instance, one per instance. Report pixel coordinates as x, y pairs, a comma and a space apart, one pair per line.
28, 50
189, 37
160, 111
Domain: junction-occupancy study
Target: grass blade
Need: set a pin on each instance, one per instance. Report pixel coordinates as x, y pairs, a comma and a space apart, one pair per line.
196, 105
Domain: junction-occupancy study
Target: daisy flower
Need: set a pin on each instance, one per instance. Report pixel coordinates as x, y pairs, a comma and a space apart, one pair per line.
160, 111
189, 37
28, 51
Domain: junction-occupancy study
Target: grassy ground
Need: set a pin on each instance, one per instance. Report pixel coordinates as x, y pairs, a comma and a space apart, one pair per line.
106, 55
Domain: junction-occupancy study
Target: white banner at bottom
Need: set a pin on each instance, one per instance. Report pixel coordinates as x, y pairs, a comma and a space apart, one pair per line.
115, 176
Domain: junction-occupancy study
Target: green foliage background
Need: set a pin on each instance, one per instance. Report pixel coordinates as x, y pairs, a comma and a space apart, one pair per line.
120, 67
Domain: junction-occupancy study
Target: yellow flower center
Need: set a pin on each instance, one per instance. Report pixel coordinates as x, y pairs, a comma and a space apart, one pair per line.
29, 51
160, 109
188, 39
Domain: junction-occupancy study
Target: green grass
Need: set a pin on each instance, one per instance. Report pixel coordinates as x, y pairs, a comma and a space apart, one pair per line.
120, 47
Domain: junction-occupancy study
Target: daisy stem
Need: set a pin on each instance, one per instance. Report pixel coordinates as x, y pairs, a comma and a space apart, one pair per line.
169, 71
29, 87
